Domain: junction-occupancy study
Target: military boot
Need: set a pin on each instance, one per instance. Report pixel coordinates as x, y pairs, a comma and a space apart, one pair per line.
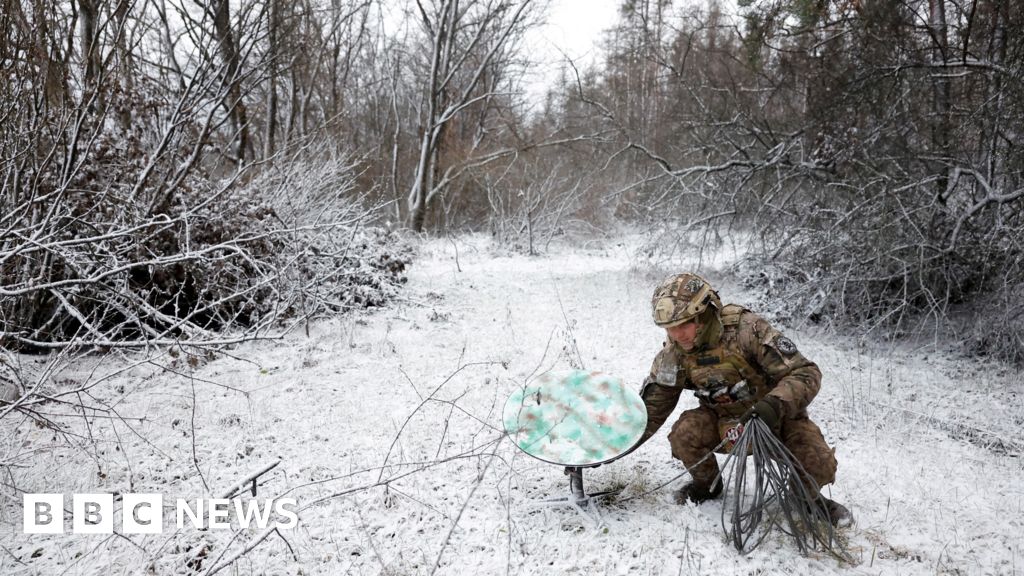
697, 492
840, 516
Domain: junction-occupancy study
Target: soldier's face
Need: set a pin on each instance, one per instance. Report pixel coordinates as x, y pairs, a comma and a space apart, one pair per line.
683, 334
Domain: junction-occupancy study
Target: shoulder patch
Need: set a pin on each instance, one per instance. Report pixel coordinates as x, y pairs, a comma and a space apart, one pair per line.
666, 366
784, 345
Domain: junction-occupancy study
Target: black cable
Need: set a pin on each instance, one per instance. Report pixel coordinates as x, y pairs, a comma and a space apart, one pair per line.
780, 493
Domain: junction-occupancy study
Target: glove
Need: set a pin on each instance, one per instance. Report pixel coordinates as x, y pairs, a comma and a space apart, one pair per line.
769, 410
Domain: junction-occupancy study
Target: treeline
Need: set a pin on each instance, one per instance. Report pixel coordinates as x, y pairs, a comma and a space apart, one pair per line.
872, 148
868, 149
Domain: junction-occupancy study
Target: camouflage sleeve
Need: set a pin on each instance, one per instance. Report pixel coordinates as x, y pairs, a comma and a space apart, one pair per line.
660, 402
793, 379
660, 391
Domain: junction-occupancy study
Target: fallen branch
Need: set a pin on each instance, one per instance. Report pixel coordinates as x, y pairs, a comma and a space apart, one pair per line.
250, 479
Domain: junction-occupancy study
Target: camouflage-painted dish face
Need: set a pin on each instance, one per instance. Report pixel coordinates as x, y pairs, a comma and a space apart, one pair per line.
575, 418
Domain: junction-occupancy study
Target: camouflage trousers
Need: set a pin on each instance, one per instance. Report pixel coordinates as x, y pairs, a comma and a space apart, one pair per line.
696, 434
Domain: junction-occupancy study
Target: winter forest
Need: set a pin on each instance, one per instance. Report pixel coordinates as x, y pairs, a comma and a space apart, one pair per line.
307, 249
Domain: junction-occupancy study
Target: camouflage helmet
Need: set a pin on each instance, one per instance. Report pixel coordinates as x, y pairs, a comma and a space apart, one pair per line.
681, 298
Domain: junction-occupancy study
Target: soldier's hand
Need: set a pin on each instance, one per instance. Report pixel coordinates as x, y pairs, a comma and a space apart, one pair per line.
769, 410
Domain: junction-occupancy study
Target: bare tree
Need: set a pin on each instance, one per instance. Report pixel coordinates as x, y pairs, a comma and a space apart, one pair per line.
220, 13
468, 56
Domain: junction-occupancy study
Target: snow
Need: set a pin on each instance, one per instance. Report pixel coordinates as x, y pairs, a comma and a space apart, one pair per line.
927, 442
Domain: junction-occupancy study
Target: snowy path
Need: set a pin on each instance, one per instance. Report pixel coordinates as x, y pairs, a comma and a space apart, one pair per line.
930, 495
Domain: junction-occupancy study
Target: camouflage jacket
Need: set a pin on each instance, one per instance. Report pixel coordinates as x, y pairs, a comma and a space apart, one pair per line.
746, 361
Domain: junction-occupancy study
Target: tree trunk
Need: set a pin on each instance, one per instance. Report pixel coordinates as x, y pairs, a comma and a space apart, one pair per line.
232, 68
940, 96
272, 54
995, 100
50, 69
428, 145
90, 51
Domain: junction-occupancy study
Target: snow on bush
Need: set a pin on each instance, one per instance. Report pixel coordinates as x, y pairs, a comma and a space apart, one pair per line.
99, 267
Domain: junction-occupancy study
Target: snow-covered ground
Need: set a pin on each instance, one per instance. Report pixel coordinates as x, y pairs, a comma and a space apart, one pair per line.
387, 426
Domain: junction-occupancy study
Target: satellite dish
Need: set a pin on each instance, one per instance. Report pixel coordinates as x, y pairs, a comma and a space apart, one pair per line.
576, 419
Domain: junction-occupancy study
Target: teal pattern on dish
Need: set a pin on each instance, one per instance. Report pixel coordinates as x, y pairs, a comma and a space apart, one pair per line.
575, 417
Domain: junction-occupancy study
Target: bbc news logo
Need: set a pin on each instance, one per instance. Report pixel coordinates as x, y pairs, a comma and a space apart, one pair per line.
144, 513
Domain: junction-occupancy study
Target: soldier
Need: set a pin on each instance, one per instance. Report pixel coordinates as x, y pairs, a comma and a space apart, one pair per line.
738, 366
